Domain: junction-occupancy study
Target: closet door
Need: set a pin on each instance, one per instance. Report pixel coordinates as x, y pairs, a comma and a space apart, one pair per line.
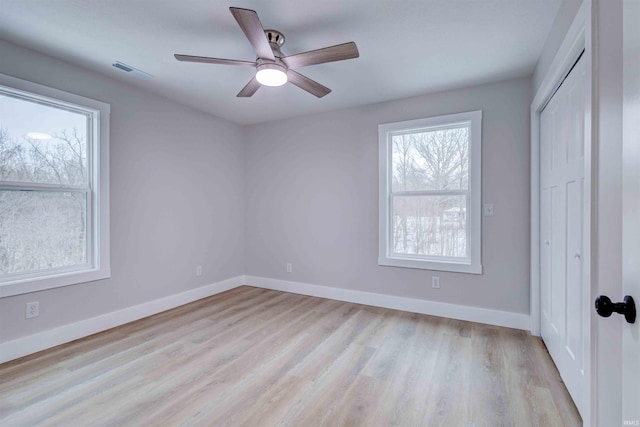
561, 248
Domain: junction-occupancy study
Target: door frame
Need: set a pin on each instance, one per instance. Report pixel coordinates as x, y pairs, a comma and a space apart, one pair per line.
577, 39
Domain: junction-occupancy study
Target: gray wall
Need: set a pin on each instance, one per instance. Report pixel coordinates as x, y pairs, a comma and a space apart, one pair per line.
561, 24
312, 199
176, 199
188, 188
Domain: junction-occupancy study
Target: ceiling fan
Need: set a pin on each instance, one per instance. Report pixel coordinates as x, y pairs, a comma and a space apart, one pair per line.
273, 68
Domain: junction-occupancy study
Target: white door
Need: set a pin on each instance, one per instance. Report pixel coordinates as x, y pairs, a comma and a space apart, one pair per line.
562, 289
631, 211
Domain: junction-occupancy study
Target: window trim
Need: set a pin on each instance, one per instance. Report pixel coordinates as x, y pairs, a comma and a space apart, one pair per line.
474, 217
98, 208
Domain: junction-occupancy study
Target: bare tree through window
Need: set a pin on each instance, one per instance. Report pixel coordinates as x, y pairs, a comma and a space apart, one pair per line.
44, 180
428, 198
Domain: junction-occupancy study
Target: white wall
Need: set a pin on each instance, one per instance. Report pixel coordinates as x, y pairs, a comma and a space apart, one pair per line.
312, 199
176, 199
562, 22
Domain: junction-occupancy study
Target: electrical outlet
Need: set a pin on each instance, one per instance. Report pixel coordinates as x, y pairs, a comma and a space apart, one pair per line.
198, 270
32, 309
289, 267
435, 282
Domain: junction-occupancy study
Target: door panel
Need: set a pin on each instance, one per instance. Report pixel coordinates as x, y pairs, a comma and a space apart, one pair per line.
545, 256
558, 259
575, 310
561, 226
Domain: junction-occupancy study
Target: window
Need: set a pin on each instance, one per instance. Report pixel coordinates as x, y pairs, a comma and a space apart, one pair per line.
54, 193
430, 193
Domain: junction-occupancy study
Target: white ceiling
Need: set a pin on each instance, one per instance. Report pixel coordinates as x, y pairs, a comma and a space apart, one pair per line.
407, 47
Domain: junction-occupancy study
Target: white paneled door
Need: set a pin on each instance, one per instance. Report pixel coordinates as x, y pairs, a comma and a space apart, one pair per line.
563, 292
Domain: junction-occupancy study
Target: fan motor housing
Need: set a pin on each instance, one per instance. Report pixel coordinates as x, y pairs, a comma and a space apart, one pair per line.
274, 36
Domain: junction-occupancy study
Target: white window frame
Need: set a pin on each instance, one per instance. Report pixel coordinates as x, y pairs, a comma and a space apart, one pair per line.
472, 264
98, 257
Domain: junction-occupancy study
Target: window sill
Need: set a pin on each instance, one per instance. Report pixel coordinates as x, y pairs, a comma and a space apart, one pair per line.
25, 286
431, 265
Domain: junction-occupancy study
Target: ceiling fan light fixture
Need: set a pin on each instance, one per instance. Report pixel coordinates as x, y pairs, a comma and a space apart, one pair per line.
271, 74
272, 67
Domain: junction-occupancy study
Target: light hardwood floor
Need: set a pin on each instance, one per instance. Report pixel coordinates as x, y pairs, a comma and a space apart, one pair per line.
255, 357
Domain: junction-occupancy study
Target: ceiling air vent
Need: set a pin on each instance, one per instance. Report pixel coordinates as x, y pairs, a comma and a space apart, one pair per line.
133, 71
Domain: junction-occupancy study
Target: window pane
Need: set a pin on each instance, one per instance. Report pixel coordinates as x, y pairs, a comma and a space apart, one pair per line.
42, 230
42, 143
430, 225
431, 160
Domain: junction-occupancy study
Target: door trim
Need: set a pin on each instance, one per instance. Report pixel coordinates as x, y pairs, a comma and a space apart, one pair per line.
577, 39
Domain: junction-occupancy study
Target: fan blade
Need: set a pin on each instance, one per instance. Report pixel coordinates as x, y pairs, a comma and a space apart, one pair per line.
328, 54
305, 83
249, 89
208, 60
252, 28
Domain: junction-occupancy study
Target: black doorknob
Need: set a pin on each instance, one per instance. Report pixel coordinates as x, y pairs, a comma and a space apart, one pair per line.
605, 307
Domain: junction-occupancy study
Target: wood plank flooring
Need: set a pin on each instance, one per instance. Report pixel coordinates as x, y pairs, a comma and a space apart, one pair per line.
254, 357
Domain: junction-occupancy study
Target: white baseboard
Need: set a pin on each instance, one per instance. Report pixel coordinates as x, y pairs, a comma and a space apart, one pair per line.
441, 309
20, 347
14, 349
